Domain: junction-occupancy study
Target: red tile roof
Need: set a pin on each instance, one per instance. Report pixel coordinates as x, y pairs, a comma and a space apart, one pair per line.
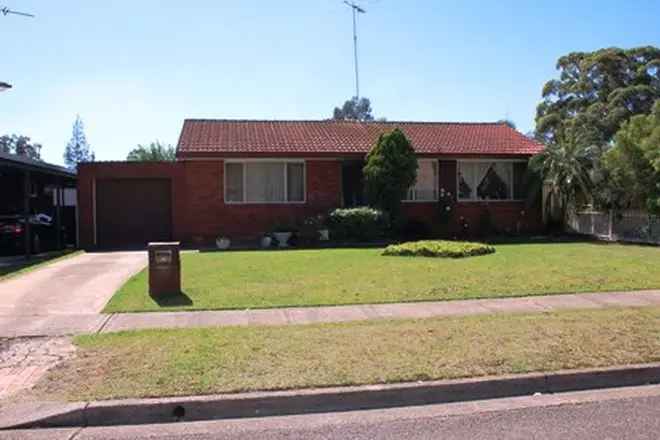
200, 137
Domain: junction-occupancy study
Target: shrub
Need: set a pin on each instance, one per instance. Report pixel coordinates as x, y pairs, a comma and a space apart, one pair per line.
360, 224
439, 248
390, 170
308, 231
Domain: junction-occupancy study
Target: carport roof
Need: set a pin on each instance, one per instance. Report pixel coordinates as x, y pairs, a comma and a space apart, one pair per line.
24, 163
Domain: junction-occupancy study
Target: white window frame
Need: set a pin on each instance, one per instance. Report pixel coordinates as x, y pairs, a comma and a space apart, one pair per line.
477, 200
411, 192
265, 160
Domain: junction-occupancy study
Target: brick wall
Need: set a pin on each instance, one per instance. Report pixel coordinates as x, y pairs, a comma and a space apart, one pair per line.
199, 213
506, 217
209, 216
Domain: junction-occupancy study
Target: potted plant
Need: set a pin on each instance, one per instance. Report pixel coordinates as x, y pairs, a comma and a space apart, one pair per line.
282, 232
322, 228
266, 241
222, 242
313, 230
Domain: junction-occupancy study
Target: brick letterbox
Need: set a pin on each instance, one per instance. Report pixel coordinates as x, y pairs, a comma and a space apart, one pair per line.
164, 269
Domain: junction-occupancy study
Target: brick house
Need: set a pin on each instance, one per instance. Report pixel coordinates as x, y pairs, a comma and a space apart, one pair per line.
239, 178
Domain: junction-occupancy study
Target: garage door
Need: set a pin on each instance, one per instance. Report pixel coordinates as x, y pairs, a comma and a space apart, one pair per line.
133, 212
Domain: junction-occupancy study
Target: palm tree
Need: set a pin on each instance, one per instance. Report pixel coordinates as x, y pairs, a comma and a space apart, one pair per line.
564, 169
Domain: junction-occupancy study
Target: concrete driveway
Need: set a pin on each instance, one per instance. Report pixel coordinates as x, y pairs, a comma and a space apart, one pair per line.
68, 293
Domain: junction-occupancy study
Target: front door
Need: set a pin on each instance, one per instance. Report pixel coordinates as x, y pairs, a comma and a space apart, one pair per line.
353, 183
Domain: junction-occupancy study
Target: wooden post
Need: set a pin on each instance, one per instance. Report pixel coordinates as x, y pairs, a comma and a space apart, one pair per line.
27, 231
58, 212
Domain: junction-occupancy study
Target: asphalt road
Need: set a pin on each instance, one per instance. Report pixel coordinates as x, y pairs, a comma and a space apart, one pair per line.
626, 413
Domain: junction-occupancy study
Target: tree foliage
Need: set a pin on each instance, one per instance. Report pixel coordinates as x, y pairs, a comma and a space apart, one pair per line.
354, 109
78, 149
507, 122
565, 167
154, 152
632, 166
21, 146
390, 170
596, 93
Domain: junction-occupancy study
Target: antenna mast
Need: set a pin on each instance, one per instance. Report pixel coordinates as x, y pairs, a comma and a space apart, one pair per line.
356, 9
6, 11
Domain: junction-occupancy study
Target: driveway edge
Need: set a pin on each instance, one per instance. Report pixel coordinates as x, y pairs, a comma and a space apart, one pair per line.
276, 403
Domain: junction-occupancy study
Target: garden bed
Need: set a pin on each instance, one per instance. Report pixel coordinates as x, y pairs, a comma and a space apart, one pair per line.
439, 249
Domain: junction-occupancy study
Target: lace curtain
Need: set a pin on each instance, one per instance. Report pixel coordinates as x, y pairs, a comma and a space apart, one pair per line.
485, 180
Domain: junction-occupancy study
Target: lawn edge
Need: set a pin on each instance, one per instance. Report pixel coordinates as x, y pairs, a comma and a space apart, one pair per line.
316, 400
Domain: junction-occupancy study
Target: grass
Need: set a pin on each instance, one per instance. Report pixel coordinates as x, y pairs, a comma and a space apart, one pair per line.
216, 360
262, 279
25, 266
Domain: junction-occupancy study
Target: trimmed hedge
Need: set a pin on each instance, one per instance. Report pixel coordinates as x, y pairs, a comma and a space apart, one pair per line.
438, 248
357, 224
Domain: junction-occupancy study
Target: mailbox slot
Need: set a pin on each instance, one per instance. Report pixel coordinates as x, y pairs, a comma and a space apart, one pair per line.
163, 257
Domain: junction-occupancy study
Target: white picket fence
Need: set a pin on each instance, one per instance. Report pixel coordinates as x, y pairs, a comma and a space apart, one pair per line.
632, 226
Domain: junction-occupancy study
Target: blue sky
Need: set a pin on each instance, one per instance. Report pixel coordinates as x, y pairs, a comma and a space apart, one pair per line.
135, 69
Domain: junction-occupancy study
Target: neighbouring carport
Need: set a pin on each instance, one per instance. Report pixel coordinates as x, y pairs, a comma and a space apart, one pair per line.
31, 187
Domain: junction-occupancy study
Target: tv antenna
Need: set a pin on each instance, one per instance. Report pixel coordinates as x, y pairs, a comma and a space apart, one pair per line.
6, 11
356, 9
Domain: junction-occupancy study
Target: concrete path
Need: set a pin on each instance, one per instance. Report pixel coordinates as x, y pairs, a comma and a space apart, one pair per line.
65, 297
58, 325
72, 286
61, 298
309, 315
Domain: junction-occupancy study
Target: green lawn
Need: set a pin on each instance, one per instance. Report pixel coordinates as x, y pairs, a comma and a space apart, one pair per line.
259, 279
216, 360
35, 262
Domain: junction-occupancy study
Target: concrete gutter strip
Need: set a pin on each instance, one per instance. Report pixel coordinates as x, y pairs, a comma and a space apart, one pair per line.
226, 406
32, 415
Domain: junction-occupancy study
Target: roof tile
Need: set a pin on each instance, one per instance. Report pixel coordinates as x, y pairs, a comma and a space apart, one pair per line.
204, 136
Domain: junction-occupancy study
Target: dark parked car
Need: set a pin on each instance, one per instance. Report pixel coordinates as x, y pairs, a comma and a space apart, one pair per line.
12, 234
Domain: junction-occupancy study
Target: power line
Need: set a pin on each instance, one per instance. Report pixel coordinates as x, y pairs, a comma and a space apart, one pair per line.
6, 11
356, 9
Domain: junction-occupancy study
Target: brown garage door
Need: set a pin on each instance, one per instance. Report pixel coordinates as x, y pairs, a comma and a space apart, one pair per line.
133, 212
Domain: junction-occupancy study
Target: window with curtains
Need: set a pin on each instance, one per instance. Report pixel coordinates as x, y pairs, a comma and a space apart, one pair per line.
264, 182
426, 187
489, 180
